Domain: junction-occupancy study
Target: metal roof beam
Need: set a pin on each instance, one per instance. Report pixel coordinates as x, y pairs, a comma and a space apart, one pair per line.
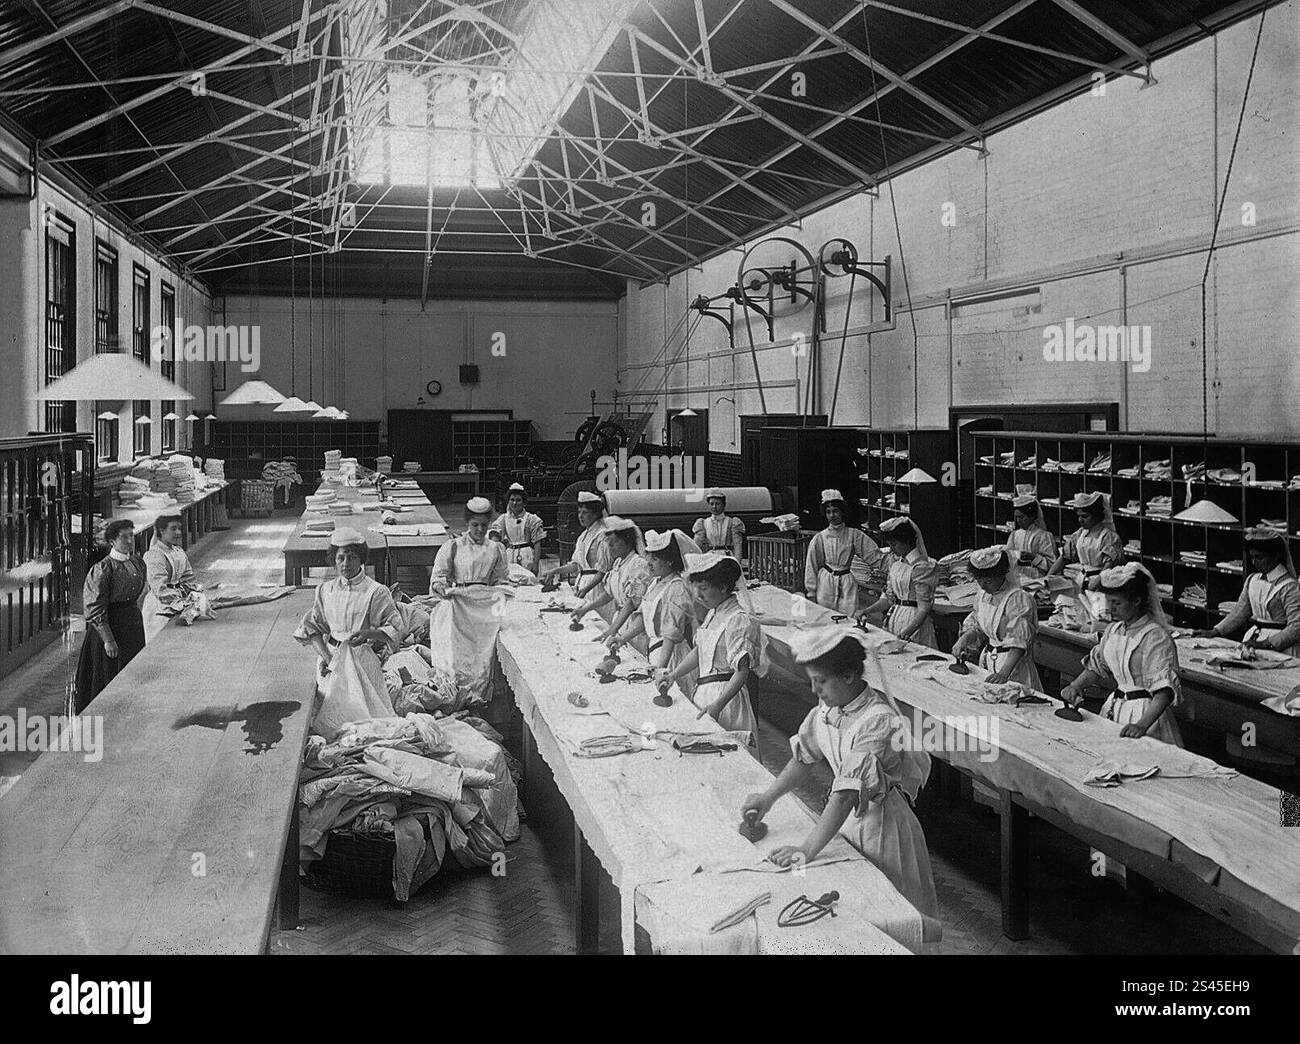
77, 25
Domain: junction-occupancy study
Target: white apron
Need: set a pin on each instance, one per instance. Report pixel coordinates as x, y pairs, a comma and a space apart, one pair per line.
738, 714
989, 617
354, 689
463, 631
837, 588
900, 617
585, 554
1118, 653
1260, 592
717, 533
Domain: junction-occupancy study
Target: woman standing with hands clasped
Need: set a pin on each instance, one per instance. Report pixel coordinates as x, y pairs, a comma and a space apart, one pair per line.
828, 580
114, 588
878, 770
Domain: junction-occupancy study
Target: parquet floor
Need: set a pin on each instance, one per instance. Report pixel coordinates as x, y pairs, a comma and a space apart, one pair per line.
530, 908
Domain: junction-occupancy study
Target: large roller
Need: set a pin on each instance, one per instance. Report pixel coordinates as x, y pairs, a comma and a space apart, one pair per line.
679, 508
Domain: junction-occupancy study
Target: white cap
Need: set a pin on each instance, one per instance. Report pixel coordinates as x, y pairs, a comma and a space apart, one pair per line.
344, 536
1083, 500
987, 558
656, 541
830, 495
516, 487
811, 643
587, 497
616, 523
715, 492
1024, 500
705, 561
479, 506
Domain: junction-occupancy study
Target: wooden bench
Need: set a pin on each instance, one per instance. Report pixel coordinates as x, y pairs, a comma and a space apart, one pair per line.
181, 837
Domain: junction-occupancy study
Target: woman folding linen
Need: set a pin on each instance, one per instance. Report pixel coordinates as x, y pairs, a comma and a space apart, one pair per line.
1031, 546
351, 613
114, 588
1136, 655
463, 625
1095, 545
1003, 623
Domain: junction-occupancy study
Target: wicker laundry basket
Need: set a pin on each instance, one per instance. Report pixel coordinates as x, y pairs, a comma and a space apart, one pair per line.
359, 865
256, 498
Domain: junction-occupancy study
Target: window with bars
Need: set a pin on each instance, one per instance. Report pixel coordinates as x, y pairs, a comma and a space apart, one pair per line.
105, 431
106, 335
140, 314
167, 365
60, 316
140, 442
168, 407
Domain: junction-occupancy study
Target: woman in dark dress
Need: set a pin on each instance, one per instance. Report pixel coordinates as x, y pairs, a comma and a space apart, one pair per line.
115, 586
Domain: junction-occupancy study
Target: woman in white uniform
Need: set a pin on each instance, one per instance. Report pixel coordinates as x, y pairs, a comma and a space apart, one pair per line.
463, 625
590, 560
667, 616
908, 600
718, 531
1003, 623
521, 531
1269, 606
1136, 656
351, 611
627, 579
828, 580
729, 646
1031, 546
1095, 545
174, 591
877, 771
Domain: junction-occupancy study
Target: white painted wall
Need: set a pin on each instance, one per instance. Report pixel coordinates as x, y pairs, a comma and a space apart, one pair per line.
369, 356
22, 313
1106, 204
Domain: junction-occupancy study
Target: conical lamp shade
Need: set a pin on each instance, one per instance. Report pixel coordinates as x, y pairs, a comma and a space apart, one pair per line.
688, 412
192, 417
1205, 511
916, 477
313, 405
292, 404
111, 376
171, 416
252, 393
107, 415
324, 413
143, 420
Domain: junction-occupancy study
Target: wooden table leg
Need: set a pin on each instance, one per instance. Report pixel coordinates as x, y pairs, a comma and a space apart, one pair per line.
529, 752
1015, 867
586, 880
287, 898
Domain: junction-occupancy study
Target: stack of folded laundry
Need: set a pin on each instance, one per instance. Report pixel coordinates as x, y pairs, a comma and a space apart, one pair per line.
1074, 467
1192, 557
897, 454
319, 527
1133, 547
985, 491
410, 465
340, 507
1165, 590
784, 523
1231, 566
1277, 525
384, 465
1157, 470
1294, 483
1133, 507
1126, 472
1029, 462
1194, 596
1007, 458
1051, 465
1100, 464
1193, 472
864, 452
183, 477
215, 469
891, 500
1160, 507
321, 499
1225, 476
1053, 501
131, 490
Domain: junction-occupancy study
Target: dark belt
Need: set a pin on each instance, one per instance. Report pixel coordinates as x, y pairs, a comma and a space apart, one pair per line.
1003, 648
518, 547
837, 572
1092, 570
587, 572
472, 583
905, 601
655, 644
1136, 694
1268, 625
706, 679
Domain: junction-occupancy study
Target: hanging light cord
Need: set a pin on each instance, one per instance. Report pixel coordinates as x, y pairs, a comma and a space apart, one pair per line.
1214, 237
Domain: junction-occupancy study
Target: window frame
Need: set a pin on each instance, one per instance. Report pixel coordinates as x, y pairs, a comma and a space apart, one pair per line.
60, 315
